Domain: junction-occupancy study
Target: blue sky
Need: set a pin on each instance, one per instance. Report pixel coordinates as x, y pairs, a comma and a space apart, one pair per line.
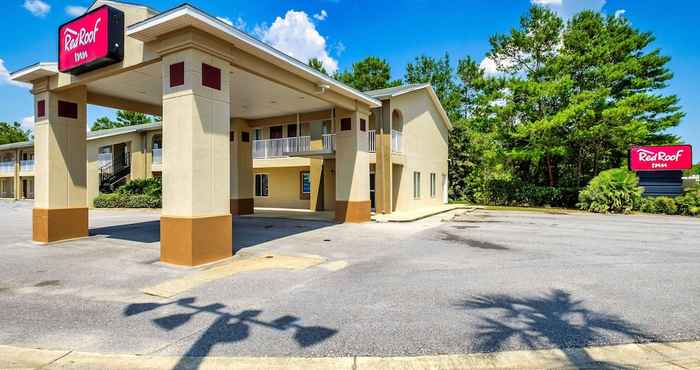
340, 32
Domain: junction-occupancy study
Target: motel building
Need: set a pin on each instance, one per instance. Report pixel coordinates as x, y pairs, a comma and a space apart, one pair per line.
243, 126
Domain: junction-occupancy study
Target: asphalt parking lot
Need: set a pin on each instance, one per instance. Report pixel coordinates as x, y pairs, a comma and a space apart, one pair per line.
471, 282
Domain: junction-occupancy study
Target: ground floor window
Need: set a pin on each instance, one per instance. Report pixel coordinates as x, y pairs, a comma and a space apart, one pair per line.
7, 187
433, 185
305, 185
416, 185
261, 185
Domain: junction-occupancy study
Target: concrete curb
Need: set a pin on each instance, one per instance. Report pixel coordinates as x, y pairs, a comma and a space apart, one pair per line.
657, 356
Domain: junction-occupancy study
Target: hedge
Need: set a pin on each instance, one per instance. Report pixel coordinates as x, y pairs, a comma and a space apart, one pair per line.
118, 200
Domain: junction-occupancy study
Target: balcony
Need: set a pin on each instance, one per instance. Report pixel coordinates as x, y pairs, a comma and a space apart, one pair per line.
26, 165
328, 143
158, 157
280, 148
7, 168
396, 140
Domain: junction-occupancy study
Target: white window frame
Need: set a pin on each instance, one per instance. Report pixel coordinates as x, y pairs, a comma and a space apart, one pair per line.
416, 184
433, 185
255, 185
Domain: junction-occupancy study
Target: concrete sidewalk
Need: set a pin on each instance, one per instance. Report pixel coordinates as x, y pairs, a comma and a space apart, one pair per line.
419, 214
656, 356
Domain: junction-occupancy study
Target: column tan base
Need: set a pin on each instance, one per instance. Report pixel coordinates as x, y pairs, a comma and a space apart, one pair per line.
353, 212
195, 241
52, 225
242, 206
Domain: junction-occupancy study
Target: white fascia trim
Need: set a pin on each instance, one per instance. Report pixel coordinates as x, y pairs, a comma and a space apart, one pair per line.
188, 10
48, 69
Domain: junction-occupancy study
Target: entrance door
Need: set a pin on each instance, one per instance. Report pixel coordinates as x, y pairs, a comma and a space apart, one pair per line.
372, 191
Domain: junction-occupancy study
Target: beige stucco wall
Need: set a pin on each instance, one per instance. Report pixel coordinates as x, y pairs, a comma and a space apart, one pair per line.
425, 149
284, 188
137, 160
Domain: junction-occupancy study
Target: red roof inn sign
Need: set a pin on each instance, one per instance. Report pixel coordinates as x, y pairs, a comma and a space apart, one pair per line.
91, 41
661, 158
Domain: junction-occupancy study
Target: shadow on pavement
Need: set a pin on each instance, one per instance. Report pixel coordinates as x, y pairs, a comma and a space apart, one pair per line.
226, 328
247, 232
144, 232
551, 320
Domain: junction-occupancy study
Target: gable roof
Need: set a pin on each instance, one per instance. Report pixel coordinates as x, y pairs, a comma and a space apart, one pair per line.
391, 92
92, 135
17, 145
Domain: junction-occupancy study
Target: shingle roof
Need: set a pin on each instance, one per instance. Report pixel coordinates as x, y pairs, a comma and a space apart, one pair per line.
391, 91
18, 145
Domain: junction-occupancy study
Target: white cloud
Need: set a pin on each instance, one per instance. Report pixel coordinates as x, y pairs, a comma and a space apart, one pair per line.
490, 67
339, 48
37, 7
240, 23
321, 16
5, 77
296, 35
225, 20
568, 8
620, 13
75, 10
27, 123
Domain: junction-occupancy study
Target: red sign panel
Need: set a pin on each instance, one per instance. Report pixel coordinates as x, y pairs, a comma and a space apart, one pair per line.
661, 158
91, 41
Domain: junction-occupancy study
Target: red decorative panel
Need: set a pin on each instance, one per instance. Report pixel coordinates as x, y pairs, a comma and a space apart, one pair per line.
177, 74
41, 108
211, 76
67, 109
345, 124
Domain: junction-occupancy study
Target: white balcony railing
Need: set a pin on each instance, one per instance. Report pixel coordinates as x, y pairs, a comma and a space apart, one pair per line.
104, 159
280, 148
7, 167
396, 140
328, 142
372, 140
26, 165
157, 156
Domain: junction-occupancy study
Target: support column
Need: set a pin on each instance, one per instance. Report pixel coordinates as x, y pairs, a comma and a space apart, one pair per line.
196, 223
316, 202
60, 207
383, 177
352, 169
241, 168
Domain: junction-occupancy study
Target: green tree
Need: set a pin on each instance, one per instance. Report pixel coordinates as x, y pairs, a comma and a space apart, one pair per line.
316, 64
370, 73
12, 133
439, 74
103, 123
124, 119
615, 101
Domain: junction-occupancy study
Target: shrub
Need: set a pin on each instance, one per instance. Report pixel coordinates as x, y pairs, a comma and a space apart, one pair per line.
150, 186
665, 205
119, 200
615, 191
689, 202
510, 192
